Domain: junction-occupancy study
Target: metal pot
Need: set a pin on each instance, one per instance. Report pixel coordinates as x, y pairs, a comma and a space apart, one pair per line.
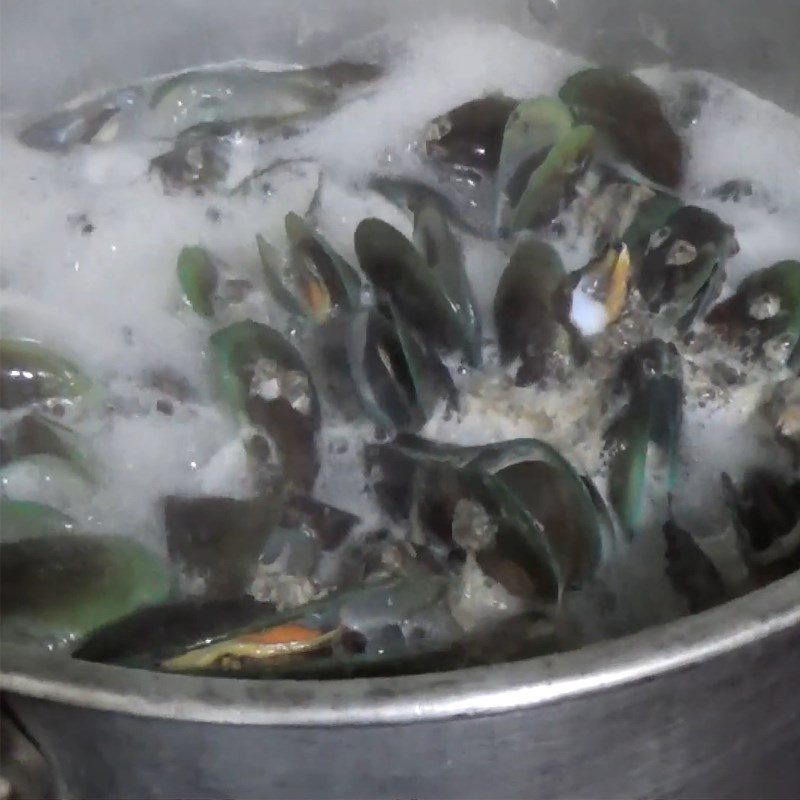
704, 707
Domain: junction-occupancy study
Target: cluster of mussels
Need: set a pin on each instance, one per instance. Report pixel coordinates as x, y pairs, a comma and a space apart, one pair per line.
495, 535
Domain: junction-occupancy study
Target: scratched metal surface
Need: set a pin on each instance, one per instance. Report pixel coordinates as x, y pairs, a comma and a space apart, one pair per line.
705, 707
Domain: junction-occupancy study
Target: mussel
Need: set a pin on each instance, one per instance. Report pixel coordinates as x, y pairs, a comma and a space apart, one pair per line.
218, 540
544, 154
397, 378
227, 94
27, 519
766, 516
531, 311
433, 297
264, 379
37, 436
470, 136
692, 573
30, 373
60, 588
600, 290
683, 266
319, 283
766, 302
85, 123
652, 377
629, 115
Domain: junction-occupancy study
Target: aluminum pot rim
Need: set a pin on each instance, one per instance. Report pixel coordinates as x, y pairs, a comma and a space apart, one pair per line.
475, 691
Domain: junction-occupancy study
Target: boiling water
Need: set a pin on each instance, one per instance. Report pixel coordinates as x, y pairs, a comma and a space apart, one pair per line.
89, 247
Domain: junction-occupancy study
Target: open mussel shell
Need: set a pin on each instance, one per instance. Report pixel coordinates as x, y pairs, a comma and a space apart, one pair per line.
157, 632
530, 309
652, 375
264, 378
325, 279
60, 588
398, 380
470, 136
651, 215
317, 282
30, 373
683, 267
691, 572
454, 508
27, 519
532, 129
600, 290
629, 115
218, 540
322, 631
551, 185
443, 254
36, 436
767, 302
766, 516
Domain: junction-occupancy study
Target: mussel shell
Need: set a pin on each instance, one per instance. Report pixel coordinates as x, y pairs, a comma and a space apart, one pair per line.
152, 634
777, 286
26, 519
471, 135
38, 436
319, 269
63, 130
198, 278
439, 488
629, 113
330, 525
527, 310
219, 539
30, 373
691, 572
68, 585
399, 271
551, 185
443, 254
289, 422
532, 129
652, 374
684, 263
273, 269
398, 380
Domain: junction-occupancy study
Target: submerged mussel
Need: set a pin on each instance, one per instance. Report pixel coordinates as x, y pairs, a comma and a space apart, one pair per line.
27, 519
60, 588
88, 122
629, 115
683, 265
531, 312
227, 94
652, 377
766, 516
767, 303
30, 373
692, 573
264, 379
